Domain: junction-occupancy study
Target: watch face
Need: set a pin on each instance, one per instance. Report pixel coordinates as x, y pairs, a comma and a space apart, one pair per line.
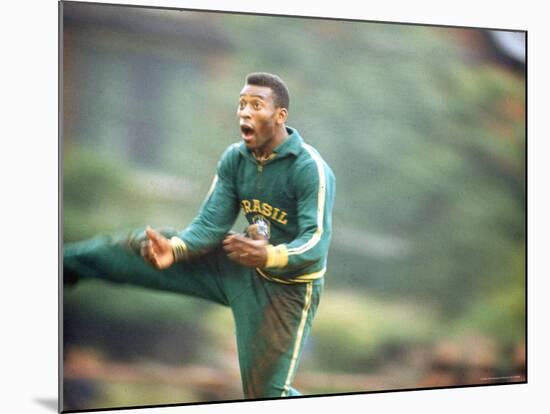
263, 226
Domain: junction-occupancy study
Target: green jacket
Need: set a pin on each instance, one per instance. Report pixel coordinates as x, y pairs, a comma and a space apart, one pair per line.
293, 192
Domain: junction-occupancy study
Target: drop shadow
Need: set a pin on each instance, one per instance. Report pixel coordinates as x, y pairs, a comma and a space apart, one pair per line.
49, 403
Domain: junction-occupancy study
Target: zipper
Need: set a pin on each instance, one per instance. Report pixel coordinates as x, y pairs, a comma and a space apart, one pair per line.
260, 164
259, 175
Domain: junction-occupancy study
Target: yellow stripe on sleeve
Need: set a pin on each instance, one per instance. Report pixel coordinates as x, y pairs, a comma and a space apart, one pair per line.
179, 249
321, 196
212, 186
277, 256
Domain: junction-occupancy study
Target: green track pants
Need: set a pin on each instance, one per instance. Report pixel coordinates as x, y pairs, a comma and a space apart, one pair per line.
272, 319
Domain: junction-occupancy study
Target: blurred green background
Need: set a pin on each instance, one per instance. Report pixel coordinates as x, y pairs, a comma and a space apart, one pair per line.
424, 128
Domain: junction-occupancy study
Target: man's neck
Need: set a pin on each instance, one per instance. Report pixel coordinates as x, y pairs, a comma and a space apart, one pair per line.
280, 136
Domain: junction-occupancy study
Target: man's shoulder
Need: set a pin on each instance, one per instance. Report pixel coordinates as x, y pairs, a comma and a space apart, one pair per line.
310, 157
232, 152
233, 148
229, 159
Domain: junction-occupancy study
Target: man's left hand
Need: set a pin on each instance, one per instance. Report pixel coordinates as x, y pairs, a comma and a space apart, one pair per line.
246, 251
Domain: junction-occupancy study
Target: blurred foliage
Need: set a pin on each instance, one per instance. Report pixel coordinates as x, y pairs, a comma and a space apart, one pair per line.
499, 312
130, 323
426, 137
352, 332
102, 194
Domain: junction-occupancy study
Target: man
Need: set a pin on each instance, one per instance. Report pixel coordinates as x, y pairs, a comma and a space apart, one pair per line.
272, 276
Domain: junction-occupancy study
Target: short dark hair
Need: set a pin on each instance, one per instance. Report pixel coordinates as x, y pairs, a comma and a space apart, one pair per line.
281, 96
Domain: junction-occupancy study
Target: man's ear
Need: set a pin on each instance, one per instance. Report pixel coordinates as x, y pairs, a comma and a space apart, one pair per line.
282, 115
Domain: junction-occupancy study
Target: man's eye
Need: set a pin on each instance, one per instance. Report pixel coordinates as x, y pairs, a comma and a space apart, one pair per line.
257, 105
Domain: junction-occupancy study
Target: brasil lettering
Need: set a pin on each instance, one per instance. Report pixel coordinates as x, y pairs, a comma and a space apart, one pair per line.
256, 206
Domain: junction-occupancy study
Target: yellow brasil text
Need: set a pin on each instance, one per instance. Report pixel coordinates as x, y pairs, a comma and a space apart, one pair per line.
256, 206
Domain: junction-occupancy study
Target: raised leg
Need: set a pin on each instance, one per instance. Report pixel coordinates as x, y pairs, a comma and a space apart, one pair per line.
115, 258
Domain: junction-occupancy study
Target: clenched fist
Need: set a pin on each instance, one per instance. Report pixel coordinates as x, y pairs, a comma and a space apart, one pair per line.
249, 252
157, 250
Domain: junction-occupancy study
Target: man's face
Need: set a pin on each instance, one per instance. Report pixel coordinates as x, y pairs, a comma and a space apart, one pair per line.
258, 116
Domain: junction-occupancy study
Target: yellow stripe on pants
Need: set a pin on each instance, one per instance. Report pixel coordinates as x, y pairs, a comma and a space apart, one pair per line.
298, 342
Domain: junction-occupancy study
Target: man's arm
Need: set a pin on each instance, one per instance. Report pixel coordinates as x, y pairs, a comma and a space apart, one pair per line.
214, 220
315, 186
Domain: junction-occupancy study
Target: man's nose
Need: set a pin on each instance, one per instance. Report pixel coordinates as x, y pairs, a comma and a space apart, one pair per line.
244, 112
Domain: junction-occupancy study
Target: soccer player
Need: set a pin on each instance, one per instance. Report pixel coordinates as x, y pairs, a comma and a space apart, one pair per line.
272, 276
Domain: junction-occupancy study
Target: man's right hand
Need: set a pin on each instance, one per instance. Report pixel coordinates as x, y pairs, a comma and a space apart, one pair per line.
156, 250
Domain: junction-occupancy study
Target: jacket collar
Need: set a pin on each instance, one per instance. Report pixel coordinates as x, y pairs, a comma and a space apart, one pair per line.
291, 145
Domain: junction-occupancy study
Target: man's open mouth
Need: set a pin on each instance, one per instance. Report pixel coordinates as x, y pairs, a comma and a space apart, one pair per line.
247, 131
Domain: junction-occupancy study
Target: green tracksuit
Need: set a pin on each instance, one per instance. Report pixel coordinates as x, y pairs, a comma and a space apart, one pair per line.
273, 307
